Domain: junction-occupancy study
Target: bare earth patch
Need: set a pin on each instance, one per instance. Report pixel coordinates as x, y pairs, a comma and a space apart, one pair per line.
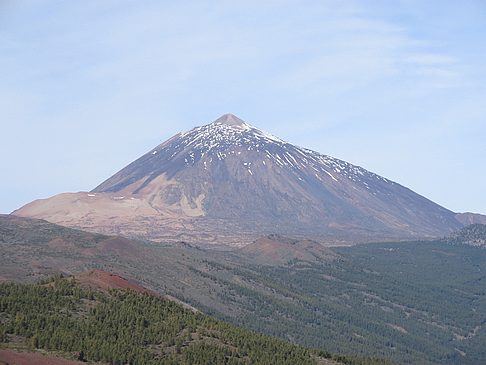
28, 358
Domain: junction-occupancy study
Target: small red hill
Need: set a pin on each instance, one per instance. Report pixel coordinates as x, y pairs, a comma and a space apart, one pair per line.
105, 280
278, 250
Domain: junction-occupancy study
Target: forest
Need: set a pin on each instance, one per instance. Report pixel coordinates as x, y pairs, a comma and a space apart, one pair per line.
126, 327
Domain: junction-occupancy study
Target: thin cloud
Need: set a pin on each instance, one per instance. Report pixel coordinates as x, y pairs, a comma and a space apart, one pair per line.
352, 79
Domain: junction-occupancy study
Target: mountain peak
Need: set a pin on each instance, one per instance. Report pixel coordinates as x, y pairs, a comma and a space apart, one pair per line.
231, 120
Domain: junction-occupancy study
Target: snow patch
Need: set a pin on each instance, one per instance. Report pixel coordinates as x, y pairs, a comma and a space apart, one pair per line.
332, 177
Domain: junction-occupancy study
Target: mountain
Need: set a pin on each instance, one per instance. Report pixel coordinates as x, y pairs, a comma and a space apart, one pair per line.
229, 182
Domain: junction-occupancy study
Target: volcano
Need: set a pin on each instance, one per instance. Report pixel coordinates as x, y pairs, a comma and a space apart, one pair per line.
228, 182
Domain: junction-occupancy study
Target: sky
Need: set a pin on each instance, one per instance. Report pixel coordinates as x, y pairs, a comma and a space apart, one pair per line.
397, 87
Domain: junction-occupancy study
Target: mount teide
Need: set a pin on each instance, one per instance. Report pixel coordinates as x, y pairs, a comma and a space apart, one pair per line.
228, 182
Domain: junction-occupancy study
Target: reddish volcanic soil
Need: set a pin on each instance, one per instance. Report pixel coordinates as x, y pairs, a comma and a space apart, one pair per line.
11, 357
277, 250
105, 280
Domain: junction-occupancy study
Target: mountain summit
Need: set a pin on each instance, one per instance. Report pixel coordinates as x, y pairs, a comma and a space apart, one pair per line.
231, 120
227, 180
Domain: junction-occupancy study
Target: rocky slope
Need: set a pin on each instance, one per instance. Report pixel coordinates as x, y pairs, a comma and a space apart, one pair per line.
229, 182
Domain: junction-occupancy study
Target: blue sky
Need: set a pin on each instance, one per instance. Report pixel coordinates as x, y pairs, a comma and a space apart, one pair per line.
398, 87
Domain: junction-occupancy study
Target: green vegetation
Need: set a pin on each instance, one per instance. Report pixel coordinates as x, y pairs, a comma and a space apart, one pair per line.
474, 234
123, 327
413, 302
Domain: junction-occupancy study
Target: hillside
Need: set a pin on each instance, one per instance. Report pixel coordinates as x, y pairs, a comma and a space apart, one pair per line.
473, 235
228, 182
401, 301
471, 218
32, 247
121, 326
